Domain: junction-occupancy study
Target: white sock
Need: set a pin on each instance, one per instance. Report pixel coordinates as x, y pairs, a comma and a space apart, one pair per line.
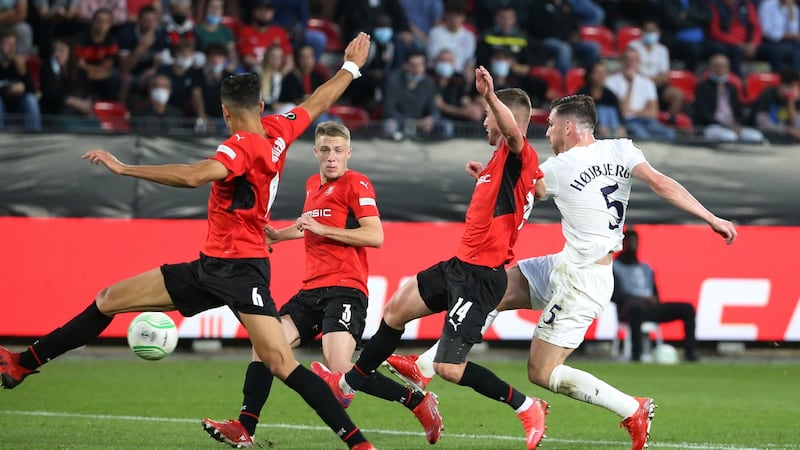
425, 360
346, 389
587, 388
525, 405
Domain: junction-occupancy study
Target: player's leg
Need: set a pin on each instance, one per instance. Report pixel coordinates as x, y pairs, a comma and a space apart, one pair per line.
256, 388
578, 297
473, 292
342, 326
143, 292
405, 305
272, 348
417, 371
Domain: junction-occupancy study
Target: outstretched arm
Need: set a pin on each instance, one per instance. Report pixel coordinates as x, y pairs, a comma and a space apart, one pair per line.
504, 117
176, 175
326, 95
673, 192
273, 235
368, 234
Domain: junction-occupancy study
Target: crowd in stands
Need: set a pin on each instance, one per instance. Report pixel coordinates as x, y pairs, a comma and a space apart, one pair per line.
722, 70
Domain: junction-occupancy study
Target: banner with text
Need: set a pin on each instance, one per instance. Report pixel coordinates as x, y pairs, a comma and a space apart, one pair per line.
53, 268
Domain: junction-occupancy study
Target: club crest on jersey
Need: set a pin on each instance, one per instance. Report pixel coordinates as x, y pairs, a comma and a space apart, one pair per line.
290, 115
329, 191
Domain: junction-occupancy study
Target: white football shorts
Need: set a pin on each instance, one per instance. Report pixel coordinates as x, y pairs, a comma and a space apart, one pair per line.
569, 297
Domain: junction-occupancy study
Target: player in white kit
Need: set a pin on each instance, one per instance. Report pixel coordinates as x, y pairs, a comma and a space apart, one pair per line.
590, 181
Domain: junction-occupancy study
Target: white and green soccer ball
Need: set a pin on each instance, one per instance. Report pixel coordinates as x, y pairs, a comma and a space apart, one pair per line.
666, 354
152, 335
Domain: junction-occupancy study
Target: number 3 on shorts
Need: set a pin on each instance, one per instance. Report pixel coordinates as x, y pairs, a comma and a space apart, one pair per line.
552, 312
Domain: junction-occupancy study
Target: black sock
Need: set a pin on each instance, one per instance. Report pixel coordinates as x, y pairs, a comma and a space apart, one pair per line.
79, 331
319, 396
381, 386
486, 383
257, 384
379, 347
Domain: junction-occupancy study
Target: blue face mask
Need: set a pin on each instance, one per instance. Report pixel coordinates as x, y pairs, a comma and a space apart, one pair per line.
718, 78
444, 69
383, 34
213, 19
416, 79
650, 38
501, 68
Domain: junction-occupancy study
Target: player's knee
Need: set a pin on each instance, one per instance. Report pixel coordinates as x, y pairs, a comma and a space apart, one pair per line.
279, 363
539, 376
105, 301
449, 372
393, 314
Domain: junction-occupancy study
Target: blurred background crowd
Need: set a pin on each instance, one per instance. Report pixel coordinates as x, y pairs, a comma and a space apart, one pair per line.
671, 70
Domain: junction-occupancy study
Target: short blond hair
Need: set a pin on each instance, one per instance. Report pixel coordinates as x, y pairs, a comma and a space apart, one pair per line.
332, 129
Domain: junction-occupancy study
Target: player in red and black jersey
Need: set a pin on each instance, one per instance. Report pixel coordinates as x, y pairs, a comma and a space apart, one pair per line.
233, 268
470, 285
339, 221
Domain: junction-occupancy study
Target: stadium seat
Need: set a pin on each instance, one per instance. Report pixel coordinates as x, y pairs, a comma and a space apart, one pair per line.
331, 31
755, 83
650, 332
574, 80
686, 81
627, 34
232, 22
34, 65
550, 75
539, 116
603, 36
353, 117
113, 116
682, 121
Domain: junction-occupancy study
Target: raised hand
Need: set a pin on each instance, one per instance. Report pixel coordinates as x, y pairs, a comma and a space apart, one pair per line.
98, 156
474, 169
483, 81
358, 49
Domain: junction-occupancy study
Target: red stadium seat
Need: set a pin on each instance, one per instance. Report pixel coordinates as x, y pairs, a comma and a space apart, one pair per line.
684, 80
539, 116
682, 121
575, 80
113, 116
755, 84
353, 117
603, 36
550, 75
627, 34
34, 66
232, 22
331, 31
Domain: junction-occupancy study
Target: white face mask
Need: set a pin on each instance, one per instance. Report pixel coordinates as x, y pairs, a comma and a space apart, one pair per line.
184, 62
160, 95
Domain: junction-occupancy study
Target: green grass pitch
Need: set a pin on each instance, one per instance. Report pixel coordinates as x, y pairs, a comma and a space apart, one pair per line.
124, 402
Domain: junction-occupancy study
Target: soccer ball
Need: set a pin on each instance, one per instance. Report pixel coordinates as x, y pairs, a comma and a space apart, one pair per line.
665, 354
152, 335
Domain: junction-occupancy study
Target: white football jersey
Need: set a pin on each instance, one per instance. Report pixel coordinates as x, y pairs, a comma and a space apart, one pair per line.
591, 187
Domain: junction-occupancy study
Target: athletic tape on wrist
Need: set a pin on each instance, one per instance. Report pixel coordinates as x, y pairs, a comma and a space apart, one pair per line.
351, 67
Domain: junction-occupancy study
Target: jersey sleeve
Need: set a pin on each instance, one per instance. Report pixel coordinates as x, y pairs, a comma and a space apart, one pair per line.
233, 156
548, 170
633, 154
362, 197
289, 125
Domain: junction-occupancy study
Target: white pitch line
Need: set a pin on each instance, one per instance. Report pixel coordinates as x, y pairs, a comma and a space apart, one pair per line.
682, 445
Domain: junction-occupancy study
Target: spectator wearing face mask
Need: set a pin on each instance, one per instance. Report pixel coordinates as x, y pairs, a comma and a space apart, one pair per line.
180, 27
254, 39
215, 70
452, 98
141, 48
158, 115
409, 107
717, 106
654, 63
212, 31
451, 35
186, 82
368, 91
500, 66
357, 15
